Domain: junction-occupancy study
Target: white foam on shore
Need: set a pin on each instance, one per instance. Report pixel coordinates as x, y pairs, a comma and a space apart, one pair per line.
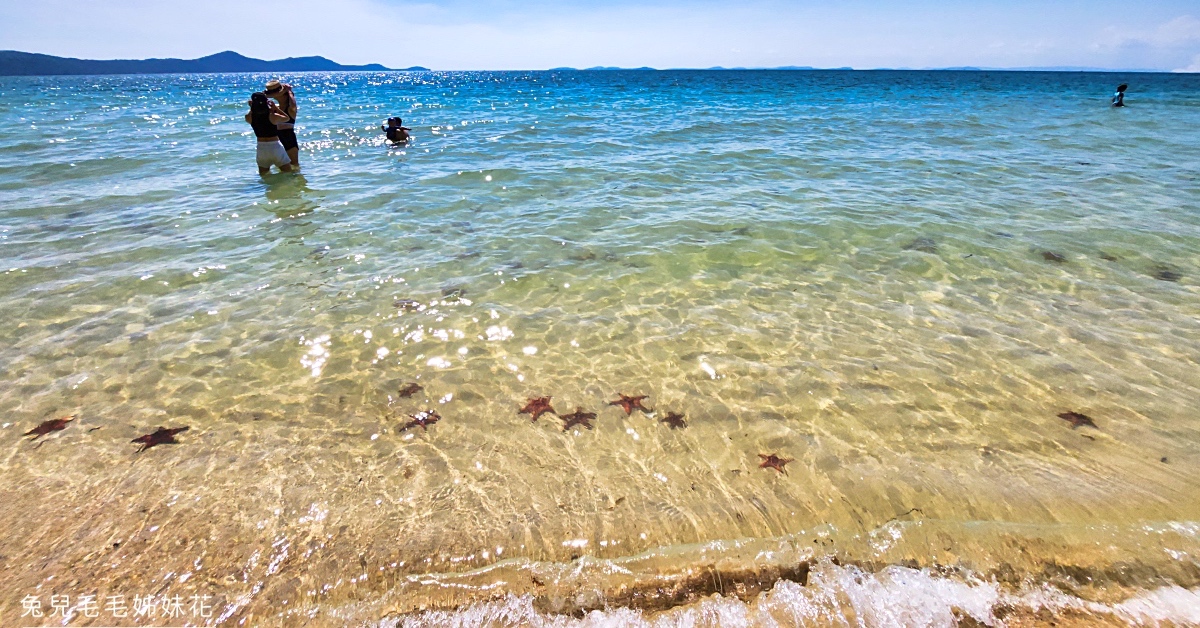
1167, 604
838, 596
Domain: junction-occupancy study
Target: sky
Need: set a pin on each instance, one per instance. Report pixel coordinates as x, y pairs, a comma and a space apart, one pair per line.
541, 34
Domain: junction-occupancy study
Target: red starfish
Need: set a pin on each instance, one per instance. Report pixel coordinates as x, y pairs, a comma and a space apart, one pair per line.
423, 419
52, 425
537, 407
578, 417
1077, 419
409, 390
674, 419
161, 436
631, 403
771, 461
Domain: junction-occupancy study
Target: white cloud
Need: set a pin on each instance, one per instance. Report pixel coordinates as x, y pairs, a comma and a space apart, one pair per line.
502, 34
1184, 29
1166, 45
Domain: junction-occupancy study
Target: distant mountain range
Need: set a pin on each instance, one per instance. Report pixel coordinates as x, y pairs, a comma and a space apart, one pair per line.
13, 63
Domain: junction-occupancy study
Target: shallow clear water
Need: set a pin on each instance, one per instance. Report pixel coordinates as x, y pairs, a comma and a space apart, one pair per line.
897, 279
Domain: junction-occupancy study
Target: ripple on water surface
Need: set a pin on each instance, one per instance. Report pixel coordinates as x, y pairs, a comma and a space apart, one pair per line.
896, 280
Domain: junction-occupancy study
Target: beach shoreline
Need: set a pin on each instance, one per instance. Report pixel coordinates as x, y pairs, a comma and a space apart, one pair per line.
604, 342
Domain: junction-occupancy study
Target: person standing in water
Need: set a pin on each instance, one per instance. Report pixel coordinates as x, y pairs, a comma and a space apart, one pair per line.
1119, 97
395, 130
264, 117
283, 94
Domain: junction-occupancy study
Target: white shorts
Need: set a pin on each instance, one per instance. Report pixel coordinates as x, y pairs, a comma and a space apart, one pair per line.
272, 154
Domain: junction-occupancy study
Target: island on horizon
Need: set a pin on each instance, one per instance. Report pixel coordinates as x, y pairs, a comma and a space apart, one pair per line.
15, 63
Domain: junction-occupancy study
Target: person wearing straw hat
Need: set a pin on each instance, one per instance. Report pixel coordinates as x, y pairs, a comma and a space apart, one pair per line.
283, 94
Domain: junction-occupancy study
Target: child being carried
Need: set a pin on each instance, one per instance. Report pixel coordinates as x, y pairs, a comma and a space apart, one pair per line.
395, 131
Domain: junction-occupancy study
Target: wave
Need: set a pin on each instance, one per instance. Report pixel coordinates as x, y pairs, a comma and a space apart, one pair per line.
1016, 575
850, 595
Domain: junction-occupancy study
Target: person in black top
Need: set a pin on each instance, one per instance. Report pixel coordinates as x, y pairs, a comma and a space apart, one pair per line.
396, 131
283, 94
1119, 97
263, 117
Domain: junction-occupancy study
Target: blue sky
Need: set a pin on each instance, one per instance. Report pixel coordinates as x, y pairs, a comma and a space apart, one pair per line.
535, 34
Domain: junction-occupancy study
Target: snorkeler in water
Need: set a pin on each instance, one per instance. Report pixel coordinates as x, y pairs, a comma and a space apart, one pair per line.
396, 131
1119, 97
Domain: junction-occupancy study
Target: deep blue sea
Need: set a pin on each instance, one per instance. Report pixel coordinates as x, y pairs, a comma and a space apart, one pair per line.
963, 308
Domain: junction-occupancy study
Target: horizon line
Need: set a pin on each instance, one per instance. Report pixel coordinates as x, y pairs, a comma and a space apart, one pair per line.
604, 68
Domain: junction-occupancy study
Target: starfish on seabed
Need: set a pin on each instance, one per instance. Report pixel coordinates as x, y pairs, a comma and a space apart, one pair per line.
409, 390
1076, 419
629, 404
771, 461
52, 425
537, 406
578, 417
423, 419
161, 436
674, 419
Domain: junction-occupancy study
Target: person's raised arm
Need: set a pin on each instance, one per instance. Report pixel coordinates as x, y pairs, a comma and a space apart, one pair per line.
292, 108
277, 116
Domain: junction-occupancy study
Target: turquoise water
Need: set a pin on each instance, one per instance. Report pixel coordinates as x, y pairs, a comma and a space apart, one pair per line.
897, 279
